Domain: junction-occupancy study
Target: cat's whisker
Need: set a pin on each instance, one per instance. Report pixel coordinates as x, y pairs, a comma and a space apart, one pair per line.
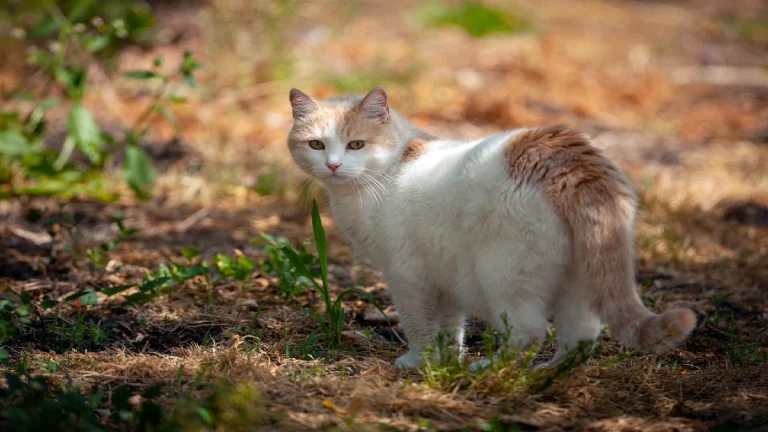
305, 198
376, 183
354, 181
384, 175
373, 193
373, 189
372, 181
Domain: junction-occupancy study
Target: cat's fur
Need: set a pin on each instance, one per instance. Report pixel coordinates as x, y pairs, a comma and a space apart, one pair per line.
528, 223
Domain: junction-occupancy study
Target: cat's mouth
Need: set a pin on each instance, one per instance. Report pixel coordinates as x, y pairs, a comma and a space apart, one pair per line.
338, 178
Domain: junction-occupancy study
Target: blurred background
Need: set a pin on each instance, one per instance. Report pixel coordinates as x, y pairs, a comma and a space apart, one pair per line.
135, 133
656, 79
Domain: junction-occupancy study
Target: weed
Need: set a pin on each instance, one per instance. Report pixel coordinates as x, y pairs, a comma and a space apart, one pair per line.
508, 368
740, 352
61, 336
280, 265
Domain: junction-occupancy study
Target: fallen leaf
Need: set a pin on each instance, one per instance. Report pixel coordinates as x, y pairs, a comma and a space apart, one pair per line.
328, 404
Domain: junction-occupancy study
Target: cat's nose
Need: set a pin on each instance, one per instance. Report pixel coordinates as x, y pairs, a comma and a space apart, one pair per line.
333, 166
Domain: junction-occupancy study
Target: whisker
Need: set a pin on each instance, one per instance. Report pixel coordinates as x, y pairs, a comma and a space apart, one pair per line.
354, 181
373, 192
376, 184
384, 175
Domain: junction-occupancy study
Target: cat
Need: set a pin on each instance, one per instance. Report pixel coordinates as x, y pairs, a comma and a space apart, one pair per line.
517, 226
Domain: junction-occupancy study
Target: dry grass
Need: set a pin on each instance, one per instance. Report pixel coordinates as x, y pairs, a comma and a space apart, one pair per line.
606, 67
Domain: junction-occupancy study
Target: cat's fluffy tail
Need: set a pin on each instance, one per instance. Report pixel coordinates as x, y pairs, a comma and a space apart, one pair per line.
601, 216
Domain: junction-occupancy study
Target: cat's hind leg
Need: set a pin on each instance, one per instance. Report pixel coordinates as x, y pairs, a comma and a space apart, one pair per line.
520, 324
576, 324
452, 326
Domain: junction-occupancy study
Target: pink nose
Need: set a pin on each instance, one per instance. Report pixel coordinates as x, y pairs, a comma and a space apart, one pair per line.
333, 166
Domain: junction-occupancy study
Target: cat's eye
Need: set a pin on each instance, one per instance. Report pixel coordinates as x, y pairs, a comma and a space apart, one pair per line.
356, 144
317, 145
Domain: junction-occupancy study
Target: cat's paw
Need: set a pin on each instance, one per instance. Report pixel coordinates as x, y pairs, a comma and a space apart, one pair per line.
408, 360
479, 365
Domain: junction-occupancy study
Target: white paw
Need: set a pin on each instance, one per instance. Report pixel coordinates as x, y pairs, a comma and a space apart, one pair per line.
479, 365
408, 360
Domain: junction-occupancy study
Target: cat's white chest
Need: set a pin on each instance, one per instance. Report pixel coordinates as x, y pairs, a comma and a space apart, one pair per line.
359, 219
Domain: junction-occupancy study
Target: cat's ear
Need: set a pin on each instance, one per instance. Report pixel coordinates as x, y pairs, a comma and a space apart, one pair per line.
302, 104
374, 105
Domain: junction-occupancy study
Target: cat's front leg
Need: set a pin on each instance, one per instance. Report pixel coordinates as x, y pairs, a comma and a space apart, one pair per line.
416, 310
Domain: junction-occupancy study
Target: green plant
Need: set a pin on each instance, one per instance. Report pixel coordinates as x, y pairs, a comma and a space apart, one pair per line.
739, 351
280, 265
29, 167
474, 17
506, 369
331, 324
61, 335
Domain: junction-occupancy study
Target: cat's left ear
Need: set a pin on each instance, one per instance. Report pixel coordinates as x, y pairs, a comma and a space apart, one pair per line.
302, 105
375, 106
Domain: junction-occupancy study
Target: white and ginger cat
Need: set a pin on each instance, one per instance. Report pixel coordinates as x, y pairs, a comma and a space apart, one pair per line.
529, 224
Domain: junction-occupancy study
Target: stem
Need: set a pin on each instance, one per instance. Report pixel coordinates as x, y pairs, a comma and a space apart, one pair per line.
66, 152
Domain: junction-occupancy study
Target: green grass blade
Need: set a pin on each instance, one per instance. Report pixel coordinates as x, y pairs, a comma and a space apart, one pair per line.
322, 251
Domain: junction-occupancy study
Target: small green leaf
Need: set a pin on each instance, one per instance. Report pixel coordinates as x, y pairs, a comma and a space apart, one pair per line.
26, 299
13, 143
177, 99
84, 130
154, 283
246, 262
190, 252
86, 297
89, 297
143, 75
188, 65
97, 43
139, 297
138, 169
204, 414
116, 289
47, 304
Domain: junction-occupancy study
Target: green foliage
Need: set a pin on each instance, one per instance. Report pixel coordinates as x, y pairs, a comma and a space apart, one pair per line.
508, 368
281, 266
239, 268
739, 351
474, 17
33, 403
82, 37
61, 336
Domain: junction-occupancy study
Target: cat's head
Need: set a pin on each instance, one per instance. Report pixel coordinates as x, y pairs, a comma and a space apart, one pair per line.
342, 138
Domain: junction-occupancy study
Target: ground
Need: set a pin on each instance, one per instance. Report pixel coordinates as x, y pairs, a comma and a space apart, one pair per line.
672, 91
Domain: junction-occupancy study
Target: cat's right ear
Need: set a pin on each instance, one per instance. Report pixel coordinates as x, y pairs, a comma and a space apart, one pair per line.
302, 104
